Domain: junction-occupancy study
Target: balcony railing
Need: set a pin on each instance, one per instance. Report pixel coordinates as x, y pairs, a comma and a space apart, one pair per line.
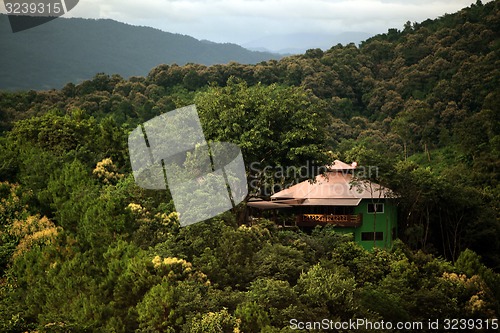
339, 220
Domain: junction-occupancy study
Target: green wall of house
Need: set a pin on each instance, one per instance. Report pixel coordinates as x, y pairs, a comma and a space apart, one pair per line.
385, 223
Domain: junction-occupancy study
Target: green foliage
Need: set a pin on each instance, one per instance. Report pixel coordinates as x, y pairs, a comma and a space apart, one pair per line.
84, 249
390, 306
56, 132
253, 317
286, 126
331, 289
71, 192
215, 322
165, 308
230, 263
13, 208
278, 299
280, 262
9, 165
470, 264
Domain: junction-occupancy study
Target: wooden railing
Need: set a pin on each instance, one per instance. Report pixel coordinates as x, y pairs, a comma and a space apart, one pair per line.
339, 220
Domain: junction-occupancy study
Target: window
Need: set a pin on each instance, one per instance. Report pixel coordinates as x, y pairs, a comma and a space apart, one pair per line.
378, 207
368, 236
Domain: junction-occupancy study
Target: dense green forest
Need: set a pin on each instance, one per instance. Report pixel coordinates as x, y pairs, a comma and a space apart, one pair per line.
83, 249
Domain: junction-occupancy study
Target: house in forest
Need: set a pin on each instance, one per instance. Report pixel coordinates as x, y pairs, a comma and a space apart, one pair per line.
338, 198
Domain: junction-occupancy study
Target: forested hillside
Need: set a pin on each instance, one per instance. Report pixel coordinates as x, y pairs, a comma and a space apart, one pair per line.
74, 49
83, 249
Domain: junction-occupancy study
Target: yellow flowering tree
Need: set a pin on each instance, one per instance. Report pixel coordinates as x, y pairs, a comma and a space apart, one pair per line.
32, 231
216, 322
107, 172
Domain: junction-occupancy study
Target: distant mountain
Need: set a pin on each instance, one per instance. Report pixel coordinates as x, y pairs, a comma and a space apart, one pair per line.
73, 49
299, 43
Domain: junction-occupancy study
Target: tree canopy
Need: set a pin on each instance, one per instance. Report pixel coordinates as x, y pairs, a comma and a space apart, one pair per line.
84, 249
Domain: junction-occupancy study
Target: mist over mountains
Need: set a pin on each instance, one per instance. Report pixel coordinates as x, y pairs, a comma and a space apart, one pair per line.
298, 43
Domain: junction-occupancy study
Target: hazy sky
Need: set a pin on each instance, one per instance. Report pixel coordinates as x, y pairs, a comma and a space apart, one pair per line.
241, 21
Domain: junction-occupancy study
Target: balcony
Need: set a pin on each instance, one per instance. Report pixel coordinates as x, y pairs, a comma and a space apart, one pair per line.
338, 220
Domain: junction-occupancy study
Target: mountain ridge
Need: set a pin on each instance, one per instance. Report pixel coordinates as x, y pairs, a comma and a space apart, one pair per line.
90, 46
